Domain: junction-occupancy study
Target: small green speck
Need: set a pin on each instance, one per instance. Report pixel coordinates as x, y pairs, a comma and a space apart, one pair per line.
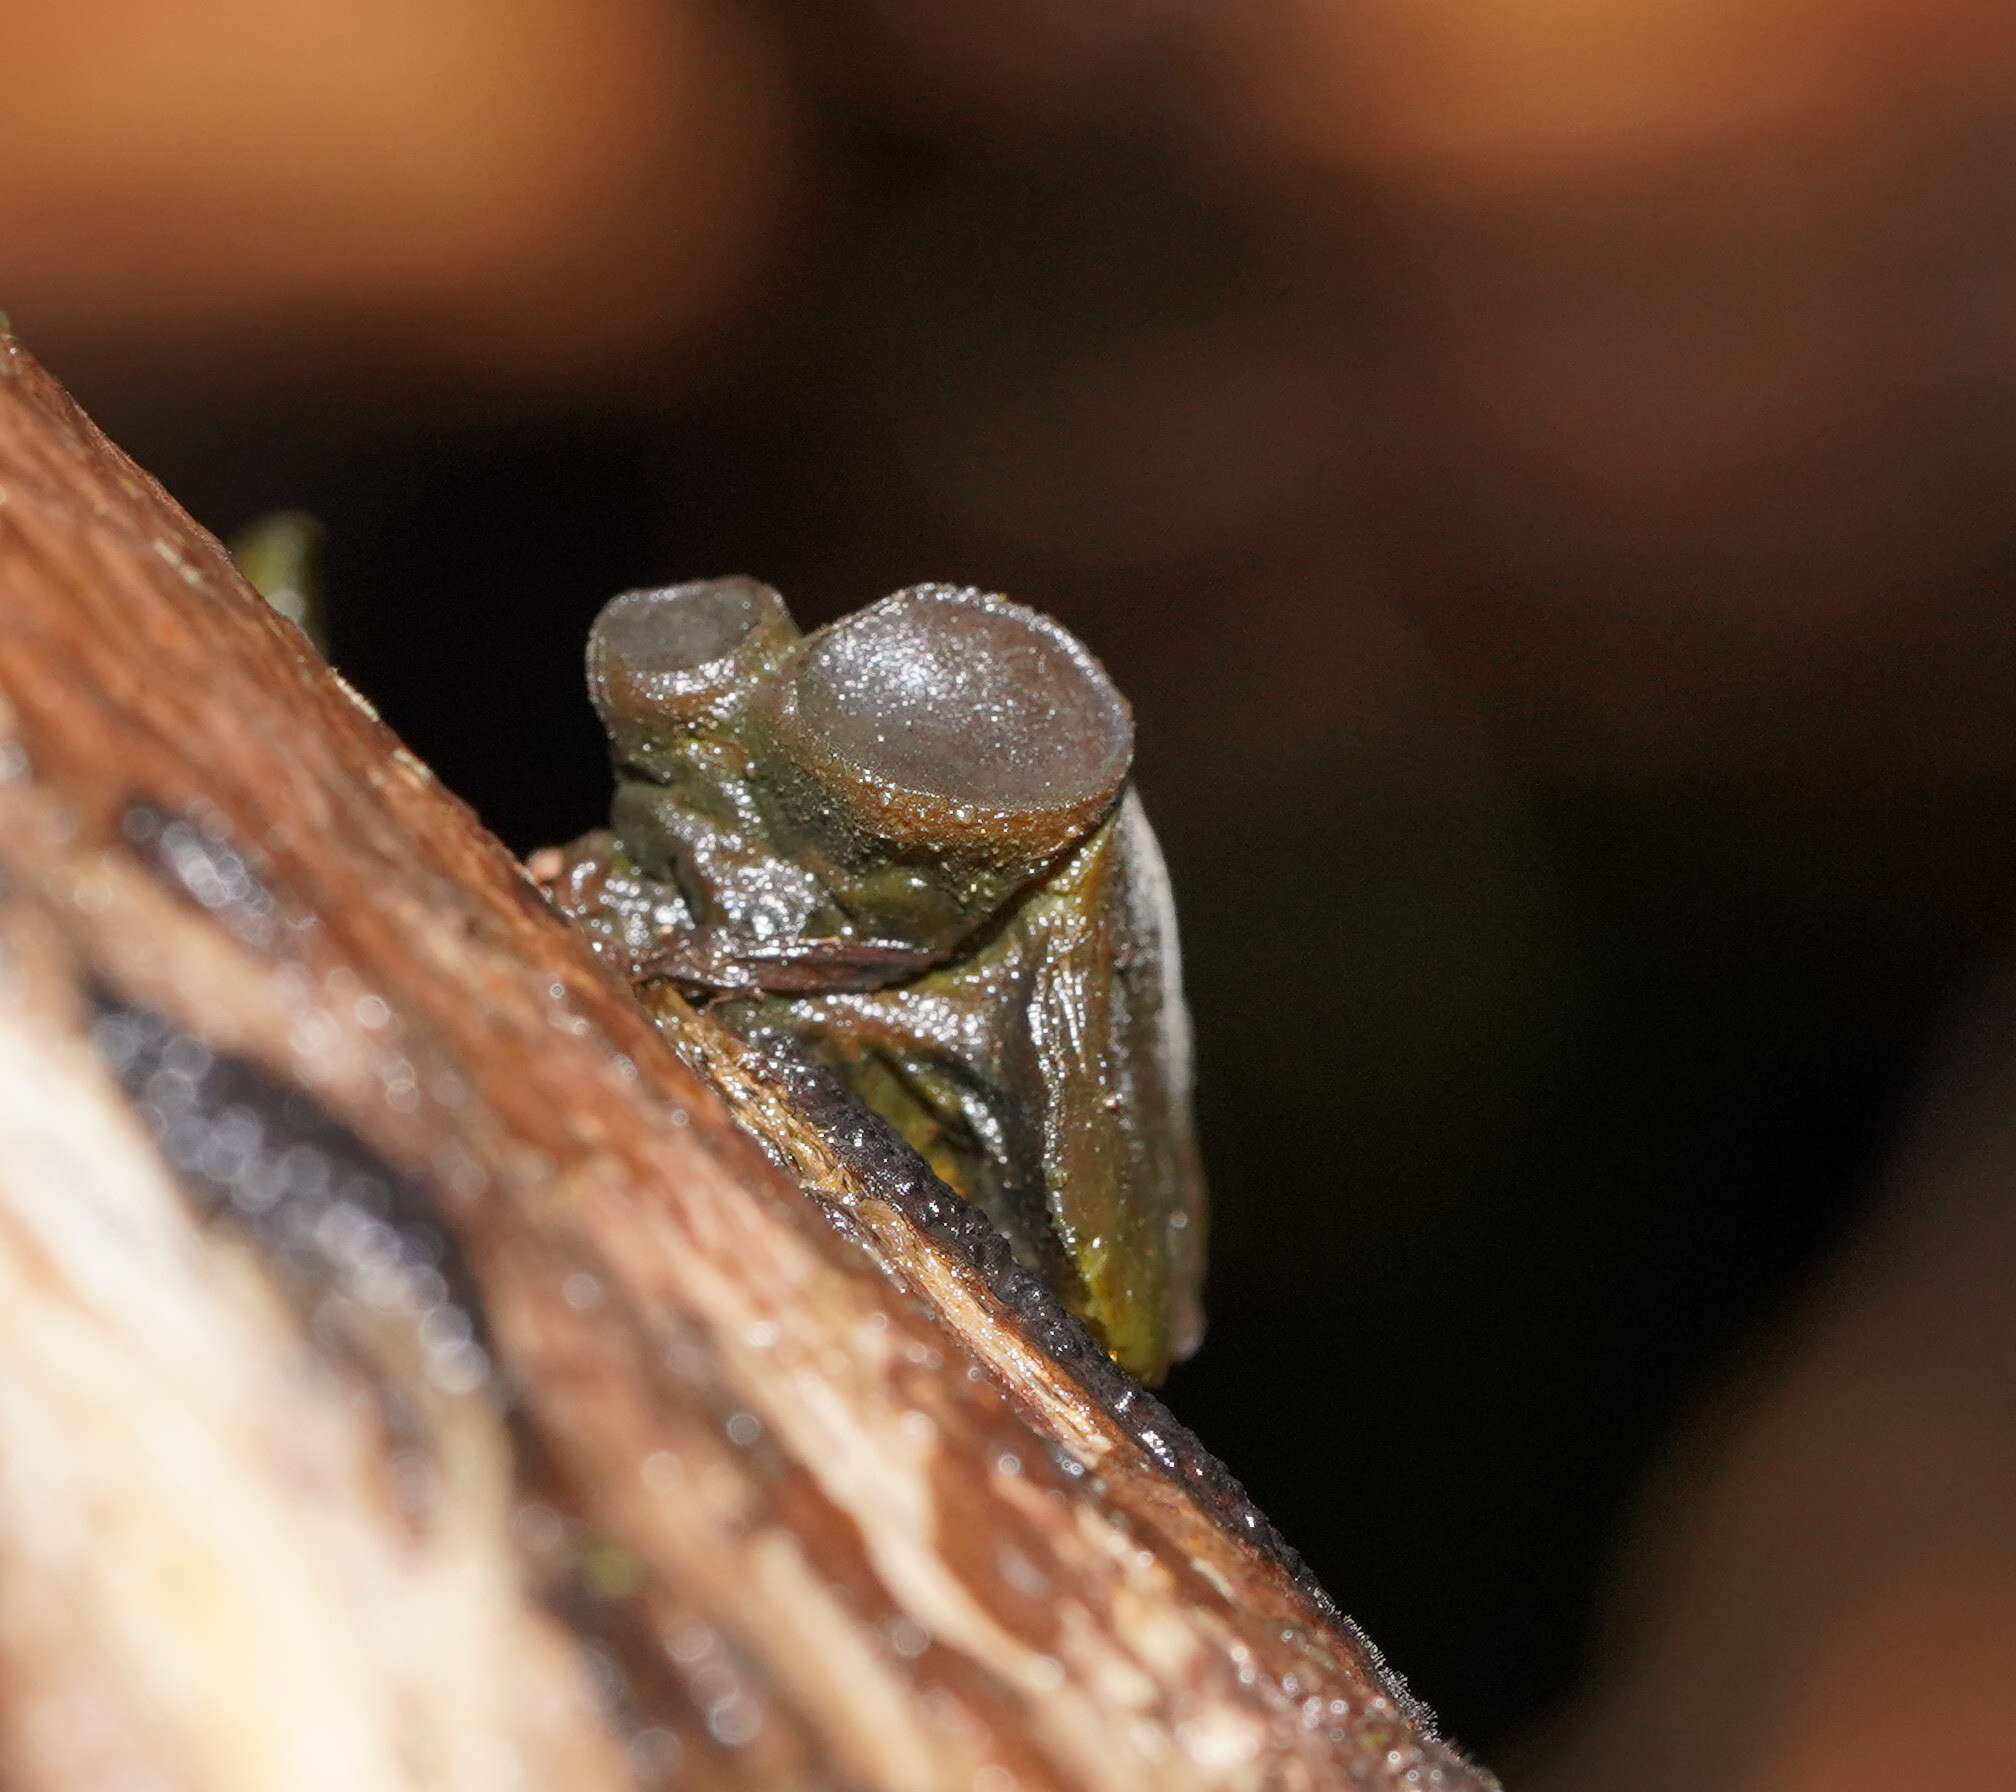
609, 1571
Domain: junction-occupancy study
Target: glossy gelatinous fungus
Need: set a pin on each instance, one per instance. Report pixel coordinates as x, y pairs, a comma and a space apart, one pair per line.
682, 655
951, 721
962, 695
905, 842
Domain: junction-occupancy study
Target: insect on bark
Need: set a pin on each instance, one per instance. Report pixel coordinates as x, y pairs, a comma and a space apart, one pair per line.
907, 841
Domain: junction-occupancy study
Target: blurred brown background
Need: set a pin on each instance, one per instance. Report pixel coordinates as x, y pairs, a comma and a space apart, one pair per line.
1542, 469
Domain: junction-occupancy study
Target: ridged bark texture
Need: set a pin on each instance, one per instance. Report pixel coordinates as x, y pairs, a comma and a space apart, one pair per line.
413, 1375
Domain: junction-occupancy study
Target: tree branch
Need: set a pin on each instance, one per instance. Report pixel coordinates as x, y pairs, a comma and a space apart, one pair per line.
412, 1375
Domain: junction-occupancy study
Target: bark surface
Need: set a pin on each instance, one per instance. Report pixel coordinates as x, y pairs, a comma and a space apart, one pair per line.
411, 1373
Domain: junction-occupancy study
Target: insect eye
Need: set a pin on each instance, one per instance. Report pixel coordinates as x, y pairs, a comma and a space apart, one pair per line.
961, 698
682, 654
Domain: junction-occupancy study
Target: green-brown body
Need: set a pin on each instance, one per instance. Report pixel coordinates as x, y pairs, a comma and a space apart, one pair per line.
908, 842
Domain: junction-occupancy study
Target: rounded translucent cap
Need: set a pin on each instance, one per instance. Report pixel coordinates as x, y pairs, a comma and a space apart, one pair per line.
671, 652
967, 697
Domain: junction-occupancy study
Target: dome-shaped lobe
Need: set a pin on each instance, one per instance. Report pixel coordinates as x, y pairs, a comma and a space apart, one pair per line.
963, 696
678, 653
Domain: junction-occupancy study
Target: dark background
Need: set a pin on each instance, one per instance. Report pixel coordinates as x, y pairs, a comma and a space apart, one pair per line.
1543, 477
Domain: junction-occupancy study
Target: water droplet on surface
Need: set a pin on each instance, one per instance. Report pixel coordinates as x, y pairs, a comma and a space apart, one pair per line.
655, 1754
908, 1638
735, 1721
458, 1369
537, 1527
1022, 1574
689, 1642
